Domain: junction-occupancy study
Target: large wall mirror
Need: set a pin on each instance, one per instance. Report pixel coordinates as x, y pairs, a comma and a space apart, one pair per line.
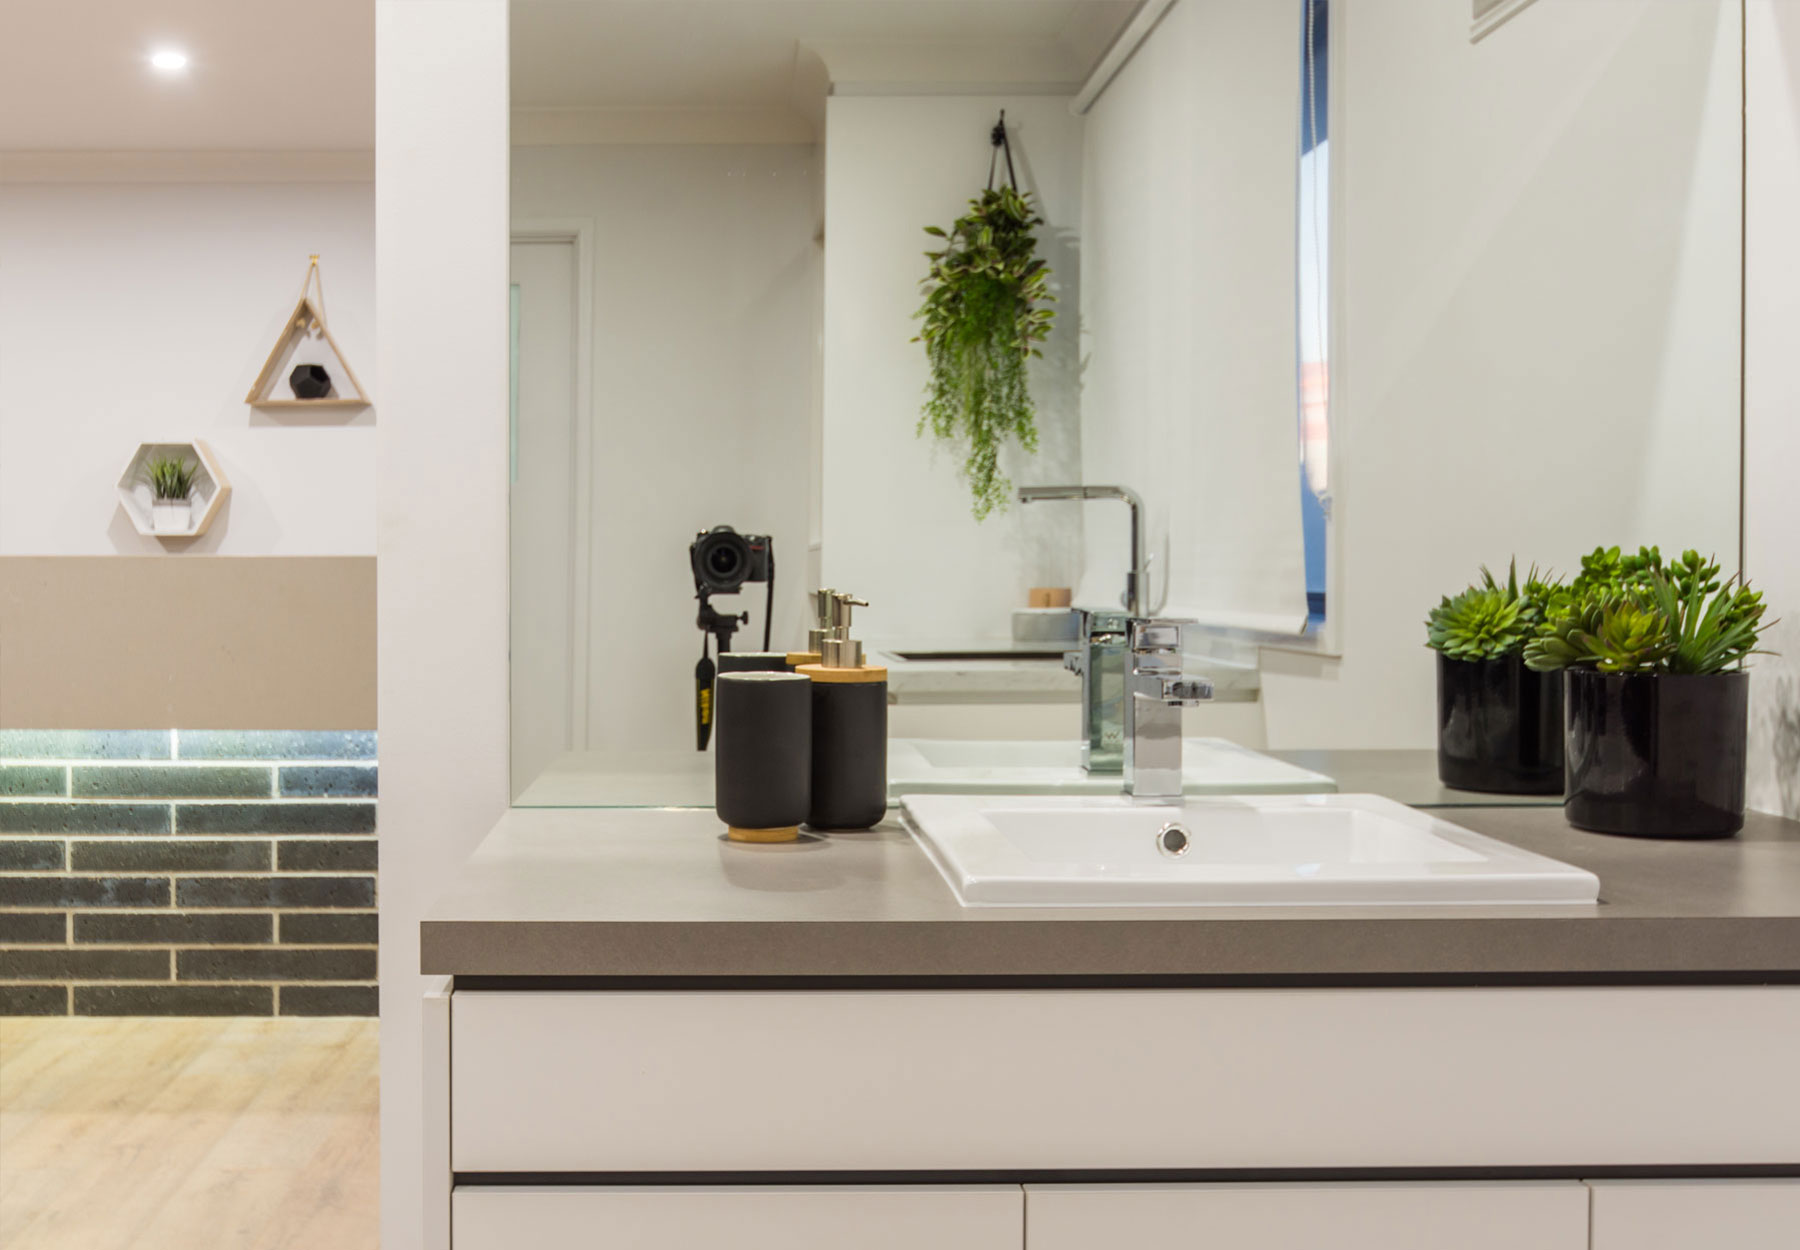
1351, 298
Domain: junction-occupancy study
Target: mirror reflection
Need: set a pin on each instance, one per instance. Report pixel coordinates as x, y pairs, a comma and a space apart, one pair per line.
1020, 320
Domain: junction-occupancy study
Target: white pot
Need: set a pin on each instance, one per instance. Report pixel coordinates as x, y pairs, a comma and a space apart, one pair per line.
171, 516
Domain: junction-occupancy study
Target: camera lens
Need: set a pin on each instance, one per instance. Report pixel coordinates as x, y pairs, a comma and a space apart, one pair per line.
721, 560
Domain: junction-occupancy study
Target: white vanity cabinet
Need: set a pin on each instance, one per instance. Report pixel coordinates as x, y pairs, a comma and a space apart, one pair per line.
763, 1217
1696, 1215
1351, 1216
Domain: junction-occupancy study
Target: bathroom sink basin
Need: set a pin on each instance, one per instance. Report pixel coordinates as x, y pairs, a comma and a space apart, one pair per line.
1209, 766
1298, 850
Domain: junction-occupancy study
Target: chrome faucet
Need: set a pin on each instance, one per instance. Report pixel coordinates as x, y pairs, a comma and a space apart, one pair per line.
1101, 663
1156, 691
1105, 707
1133, 598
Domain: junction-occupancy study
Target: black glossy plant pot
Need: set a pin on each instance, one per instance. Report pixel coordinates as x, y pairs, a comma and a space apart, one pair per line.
1499, 727
1656, 757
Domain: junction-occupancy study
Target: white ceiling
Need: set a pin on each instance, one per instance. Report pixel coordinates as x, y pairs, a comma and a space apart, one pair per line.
265, 75
298, 75
614, 54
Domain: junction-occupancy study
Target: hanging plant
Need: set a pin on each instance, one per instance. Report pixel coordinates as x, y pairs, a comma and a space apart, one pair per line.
983, 317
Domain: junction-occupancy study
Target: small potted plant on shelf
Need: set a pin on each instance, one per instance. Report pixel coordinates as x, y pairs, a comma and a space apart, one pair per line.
1656, 694
1499, 723
172, 489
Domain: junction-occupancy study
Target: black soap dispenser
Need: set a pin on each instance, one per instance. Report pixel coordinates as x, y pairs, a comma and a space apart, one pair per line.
849, 726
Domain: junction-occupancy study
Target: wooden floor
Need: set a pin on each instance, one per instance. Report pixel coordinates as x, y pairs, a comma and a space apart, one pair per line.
236, 1134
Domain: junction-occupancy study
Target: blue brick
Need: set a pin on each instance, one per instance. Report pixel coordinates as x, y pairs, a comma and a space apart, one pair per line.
84, 744
280, 744
336, 781
171, 781
252, 818
66, 818
38, 781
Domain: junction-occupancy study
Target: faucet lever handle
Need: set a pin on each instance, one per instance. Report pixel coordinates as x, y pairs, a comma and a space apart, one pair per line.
1155, 635
1186, 691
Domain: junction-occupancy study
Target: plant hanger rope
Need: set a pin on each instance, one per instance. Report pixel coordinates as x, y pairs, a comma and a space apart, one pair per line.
1001, 143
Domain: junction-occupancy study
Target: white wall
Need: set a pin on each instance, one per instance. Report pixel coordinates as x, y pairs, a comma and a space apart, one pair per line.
441, 230
138, 312
896, 522
1537, 349
1772, 395
705, 289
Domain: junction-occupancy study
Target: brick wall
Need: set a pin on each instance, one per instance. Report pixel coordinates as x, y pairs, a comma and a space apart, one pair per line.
184, 872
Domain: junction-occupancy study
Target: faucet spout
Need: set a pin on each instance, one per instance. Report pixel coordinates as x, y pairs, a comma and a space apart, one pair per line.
1133, 599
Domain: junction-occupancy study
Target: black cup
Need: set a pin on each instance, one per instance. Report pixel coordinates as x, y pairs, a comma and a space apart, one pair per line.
762, 760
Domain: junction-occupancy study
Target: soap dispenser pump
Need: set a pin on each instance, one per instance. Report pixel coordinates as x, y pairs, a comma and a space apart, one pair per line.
820, 601
849, 739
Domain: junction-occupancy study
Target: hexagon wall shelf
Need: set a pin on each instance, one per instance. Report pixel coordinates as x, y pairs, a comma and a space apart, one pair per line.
210, 489
307, 322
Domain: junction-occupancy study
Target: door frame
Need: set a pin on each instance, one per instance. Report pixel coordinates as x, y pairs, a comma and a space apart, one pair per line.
578, 232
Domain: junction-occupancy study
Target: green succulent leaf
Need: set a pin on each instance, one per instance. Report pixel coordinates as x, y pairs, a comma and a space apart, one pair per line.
170, 477
983, 318
1491, 619
1640, 614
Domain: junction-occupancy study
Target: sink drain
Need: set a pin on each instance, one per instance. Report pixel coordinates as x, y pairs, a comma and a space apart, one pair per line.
1173, 840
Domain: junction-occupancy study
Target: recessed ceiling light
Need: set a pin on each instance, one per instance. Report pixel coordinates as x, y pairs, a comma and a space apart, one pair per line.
169, 60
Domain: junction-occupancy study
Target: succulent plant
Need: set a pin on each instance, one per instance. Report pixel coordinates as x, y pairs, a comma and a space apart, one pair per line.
1490, 620
1636, 614
171, 477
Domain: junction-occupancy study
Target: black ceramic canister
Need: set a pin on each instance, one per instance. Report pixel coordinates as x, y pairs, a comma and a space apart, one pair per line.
753, 662
849, 747
762, 760
1499, 726
1656, 756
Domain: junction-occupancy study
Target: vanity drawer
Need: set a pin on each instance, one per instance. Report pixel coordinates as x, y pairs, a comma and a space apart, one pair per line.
1019, 1080
742, 1217
1550, 1215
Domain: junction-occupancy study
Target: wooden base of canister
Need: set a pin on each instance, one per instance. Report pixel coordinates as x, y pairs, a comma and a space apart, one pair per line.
786, 833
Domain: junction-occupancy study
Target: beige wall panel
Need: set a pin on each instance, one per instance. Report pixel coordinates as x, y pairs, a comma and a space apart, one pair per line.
215, 642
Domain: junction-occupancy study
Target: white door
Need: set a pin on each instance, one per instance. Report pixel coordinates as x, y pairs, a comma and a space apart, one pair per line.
1696, 1215
544, 463
1550, 1216
837, 1217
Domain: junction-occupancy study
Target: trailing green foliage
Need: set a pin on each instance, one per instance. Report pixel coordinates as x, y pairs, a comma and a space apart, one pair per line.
171, 478
1488, 620
1636, 614
982, 318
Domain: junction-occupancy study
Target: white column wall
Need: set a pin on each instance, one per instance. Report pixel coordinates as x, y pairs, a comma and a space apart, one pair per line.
441, 282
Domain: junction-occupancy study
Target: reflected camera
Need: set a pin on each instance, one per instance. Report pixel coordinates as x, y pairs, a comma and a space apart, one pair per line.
724, 559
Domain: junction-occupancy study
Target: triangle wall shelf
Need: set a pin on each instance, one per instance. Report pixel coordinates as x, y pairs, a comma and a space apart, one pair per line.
272, 388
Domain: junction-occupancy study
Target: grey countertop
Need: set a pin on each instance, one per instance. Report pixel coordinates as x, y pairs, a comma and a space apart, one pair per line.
658, 895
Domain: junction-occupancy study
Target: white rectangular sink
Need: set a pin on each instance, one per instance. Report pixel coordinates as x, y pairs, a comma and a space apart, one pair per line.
1295, 850
1208, 766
